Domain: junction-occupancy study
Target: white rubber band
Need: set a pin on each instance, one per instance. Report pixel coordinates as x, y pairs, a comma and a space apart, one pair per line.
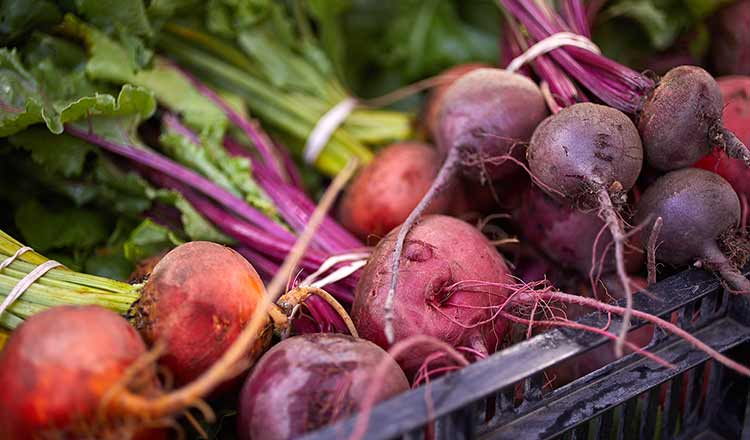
26, 281
8, 261
551, 43
339, 274
321, 134
359, 259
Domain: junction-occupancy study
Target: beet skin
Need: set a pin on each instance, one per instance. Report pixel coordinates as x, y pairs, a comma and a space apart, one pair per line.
439, 252
197, 300
57, 367
306, 382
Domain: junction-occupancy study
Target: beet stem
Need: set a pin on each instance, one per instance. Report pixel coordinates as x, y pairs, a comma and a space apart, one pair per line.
716, 260
729, 142
609, 215
651, 250
441, 182
659, 322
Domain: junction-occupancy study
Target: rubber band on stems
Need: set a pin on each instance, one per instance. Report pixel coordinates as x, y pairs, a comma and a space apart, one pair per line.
549, 44
333, 118
27, 280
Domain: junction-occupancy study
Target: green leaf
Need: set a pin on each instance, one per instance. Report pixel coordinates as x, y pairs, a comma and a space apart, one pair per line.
19, 17
148, 239
175, 92
44, 229
197, 227
129, 15
112, 266
31, 97
64, 154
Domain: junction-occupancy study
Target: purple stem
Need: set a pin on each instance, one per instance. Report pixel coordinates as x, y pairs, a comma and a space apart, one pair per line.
627, 90
325, 316
188, 177
262, 143
294, 205
173, 123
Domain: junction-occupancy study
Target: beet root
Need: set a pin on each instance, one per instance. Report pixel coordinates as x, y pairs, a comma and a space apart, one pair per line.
486, 114
681, 121
308, 381
590, 155
697, 208
57, 368
384, 192
196, 301
439, 252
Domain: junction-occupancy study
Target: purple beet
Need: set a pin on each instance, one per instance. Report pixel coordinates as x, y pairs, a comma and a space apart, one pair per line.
308, 381
590, 155
699, 210
681, 121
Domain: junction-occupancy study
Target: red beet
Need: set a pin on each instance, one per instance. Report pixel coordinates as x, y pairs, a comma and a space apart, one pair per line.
730, 39
197, 300
56, 369
440, 251
308, 381
736, 93
383, 193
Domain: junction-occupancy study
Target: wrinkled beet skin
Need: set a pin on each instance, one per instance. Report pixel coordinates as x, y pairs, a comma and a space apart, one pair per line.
308, 381
488, 113
438, 252
437, 94
676, 118
56, 368
730, 39
384, 192
696, 207
197, 300
567, 235
736, 93
584, 147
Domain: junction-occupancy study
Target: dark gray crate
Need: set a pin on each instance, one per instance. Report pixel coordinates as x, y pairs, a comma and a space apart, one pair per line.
630, 398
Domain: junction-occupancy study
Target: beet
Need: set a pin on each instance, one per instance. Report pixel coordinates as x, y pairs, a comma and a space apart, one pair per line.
698, 208
384, 192
486, 114
730, 38
56, 369
197, 300
547, 224
437, 94
736, 93
583, 150
439, 252
590, 156
681, 121
306, 382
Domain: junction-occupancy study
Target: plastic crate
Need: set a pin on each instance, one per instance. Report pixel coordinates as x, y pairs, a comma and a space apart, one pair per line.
630, 398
